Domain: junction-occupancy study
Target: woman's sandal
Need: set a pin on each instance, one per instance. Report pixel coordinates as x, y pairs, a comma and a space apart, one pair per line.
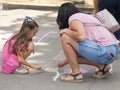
104, 73
74, 78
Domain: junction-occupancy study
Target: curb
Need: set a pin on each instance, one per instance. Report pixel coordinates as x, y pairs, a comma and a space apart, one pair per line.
7, 6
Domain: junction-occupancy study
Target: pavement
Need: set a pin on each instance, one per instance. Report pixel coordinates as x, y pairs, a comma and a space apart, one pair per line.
39, 6
48, 52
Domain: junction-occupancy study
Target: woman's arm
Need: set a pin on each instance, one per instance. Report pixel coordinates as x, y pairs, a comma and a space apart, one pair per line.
76, 31
96, 8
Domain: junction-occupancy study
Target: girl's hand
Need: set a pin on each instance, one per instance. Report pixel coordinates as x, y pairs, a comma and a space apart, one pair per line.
38, 67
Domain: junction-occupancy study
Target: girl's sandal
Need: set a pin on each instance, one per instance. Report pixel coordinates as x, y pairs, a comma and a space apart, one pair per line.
74, 78
104, 73
22, 70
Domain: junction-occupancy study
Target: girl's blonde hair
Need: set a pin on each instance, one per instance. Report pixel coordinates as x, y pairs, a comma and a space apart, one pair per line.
21, 38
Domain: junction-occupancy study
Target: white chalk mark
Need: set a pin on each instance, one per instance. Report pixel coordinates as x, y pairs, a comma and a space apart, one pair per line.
56, 76
58, 55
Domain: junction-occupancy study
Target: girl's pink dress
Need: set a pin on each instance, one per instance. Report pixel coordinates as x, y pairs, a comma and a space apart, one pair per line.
9, 59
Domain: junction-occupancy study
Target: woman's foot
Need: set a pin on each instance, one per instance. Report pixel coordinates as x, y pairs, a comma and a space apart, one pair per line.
72, 78
102, 73
110, 70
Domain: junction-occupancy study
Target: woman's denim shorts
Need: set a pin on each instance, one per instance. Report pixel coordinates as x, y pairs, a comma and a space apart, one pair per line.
96, 53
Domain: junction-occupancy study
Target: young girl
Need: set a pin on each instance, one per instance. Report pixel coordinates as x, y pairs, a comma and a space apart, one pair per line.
19, 47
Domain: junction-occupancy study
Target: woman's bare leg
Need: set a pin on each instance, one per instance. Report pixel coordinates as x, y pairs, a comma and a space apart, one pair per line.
69, 47
82, 60
71, 56
70, 53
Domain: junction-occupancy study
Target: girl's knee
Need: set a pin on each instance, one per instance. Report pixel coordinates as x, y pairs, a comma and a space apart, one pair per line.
30, 47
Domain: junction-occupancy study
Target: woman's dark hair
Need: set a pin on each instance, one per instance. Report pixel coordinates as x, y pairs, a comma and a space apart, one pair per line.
64, 12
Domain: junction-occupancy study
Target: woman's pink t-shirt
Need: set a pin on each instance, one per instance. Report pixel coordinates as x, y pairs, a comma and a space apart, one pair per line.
94, 29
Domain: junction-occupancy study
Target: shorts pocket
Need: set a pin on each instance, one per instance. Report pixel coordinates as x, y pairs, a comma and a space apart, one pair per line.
106, 58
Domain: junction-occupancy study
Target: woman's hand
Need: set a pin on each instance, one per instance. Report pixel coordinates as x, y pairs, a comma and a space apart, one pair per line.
63, 31
62, 63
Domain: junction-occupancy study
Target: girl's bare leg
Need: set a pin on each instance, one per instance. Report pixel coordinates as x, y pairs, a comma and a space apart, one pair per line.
27, 53
29, 50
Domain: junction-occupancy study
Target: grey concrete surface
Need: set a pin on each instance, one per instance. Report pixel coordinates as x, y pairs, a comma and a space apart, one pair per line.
48, 52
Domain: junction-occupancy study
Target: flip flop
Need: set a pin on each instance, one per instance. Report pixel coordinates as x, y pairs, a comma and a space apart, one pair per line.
74, 78
103, 73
